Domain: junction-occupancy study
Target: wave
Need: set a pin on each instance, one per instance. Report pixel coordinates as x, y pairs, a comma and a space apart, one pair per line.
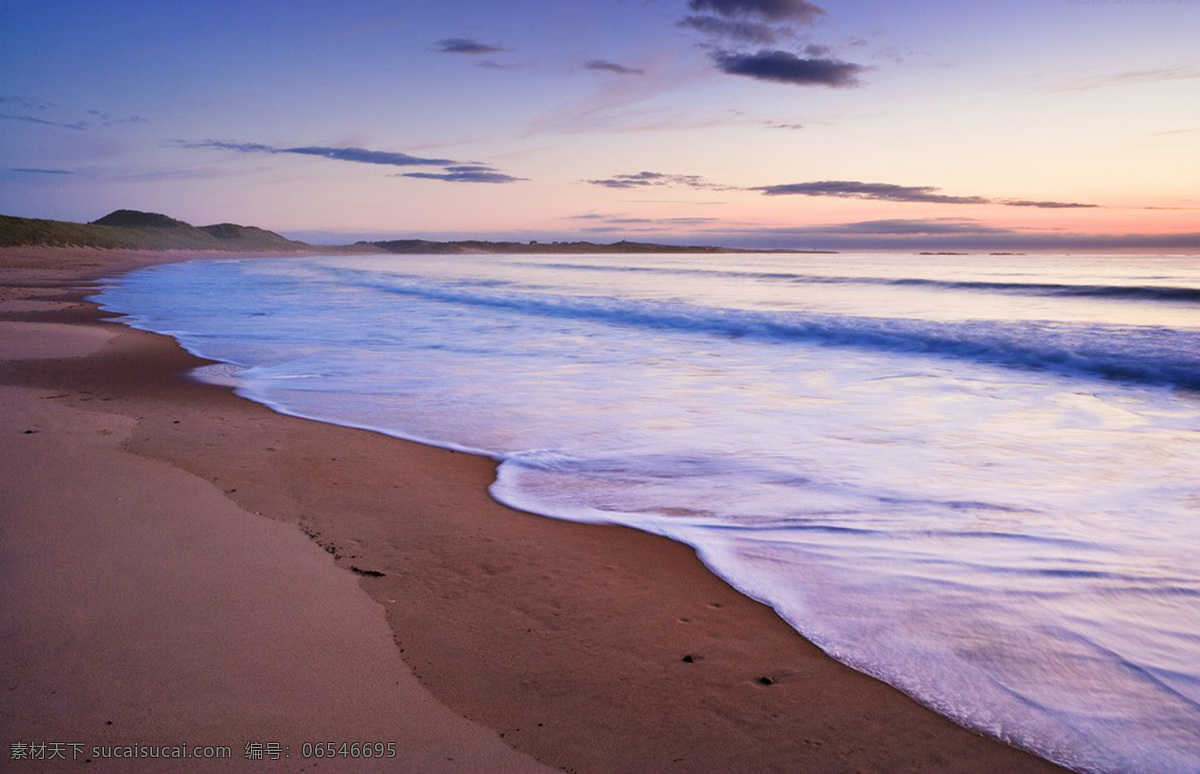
1126, 353
1133, 292
1170, 293
979, 607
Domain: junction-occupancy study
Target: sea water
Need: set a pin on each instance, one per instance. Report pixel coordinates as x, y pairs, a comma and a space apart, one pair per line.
974, 477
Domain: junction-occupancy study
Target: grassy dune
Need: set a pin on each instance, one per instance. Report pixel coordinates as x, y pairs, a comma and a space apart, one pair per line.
133, 230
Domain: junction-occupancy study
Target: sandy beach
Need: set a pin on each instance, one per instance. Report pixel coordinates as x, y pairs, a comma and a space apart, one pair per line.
180, 565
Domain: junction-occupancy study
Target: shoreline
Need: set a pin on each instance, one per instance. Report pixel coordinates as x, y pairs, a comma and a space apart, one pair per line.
566, 640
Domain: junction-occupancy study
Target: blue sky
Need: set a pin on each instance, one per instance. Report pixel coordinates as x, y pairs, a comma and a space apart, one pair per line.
744, 122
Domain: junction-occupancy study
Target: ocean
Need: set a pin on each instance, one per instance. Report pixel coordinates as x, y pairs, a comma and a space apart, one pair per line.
974, 477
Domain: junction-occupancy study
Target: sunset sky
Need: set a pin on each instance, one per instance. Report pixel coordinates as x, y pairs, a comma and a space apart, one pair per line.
1025, 124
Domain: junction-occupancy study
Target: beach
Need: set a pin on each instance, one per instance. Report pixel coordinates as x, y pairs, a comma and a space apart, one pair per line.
181, 565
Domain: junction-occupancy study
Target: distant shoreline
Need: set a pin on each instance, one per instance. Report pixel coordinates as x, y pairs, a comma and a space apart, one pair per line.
473, 246
135, 230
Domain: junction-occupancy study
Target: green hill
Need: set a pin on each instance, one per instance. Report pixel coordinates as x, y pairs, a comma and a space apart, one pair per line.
134, 230
138, 219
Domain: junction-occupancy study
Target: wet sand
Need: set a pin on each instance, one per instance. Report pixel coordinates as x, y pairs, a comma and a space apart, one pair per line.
194, 567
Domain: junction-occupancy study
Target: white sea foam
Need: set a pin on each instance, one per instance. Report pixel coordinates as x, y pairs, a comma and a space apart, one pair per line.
977, 483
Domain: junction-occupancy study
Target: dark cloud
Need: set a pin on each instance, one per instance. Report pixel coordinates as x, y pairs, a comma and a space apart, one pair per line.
912, 226
36, 171
765, 23
625, 181
781, 125
453, 171
784, 67
850, 189
843, 189
466, 173
737, 30
1047, 205
359, 155
363, 156
647, 179
612, 67
78, 125
799, 11
467, 46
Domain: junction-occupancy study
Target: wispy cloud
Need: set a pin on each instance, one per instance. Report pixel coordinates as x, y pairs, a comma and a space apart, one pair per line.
851, 189
648, 179
911, 226
359, 155
621, 230
160, 174
620, 220
35, 171
25, 102
1131, 77
611, 67
1046, 205
658, 226
840, 189
890, 192
108, 119
785, 67
452, 172
364, 156
466, 173
618, 106
468, 46
95, 119
78, 125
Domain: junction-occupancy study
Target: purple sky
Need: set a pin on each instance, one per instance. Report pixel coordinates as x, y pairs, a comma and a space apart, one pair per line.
1047, 124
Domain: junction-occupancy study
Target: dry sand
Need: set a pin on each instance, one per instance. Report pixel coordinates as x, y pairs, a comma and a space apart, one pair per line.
161, 568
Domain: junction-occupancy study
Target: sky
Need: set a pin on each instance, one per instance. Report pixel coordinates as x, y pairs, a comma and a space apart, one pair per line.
1063, 125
